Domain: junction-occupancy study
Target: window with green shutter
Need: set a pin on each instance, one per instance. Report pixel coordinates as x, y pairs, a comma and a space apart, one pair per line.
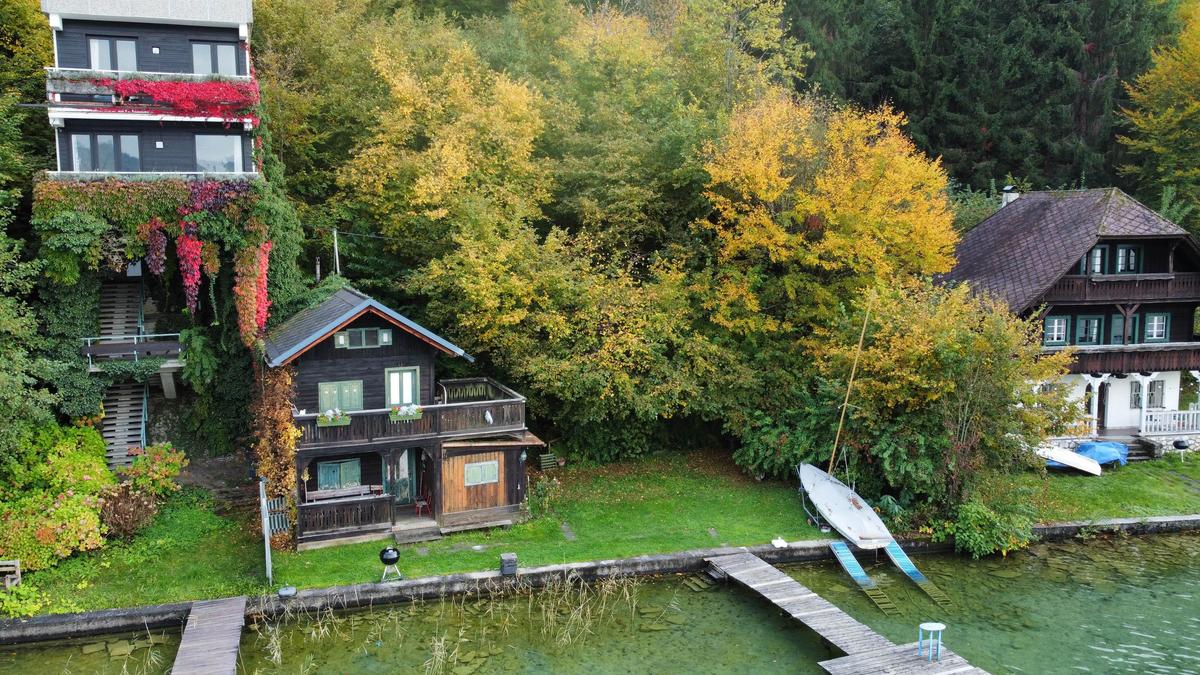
1118, 329
402, 385
1088, 330
362, 338
345, 396
342, 473
1056, 330
1129, 259
481, 473
1158, 327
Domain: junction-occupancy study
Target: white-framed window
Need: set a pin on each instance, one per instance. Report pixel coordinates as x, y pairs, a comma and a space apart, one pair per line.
106, 152
214, 58
1129, 259
481, 473
218, 153
403, 386
112, 53
1055, 330
362, 338
1157, 326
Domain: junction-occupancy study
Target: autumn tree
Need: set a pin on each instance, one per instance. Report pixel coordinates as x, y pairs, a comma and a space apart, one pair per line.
1164, 121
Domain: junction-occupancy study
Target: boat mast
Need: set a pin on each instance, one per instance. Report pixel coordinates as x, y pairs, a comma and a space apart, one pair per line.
862, 334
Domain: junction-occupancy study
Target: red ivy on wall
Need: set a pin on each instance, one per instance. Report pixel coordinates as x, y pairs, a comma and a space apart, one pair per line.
188, 248
229, 101
156, 245
245, 294
262, 302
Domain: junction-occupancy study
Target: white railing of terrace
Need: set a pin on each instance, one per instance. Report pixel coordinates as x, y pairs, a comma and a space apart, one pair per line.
1171, 421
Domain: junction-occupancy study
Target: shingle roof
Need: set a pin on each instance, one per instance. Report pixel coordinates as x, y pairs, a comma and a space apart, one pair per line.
1026, 246
291, 337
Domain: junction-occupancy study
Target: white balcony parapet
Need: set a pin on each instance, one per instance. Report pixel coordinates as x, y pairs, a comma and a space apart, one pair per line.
151, 175
54, 74
233, 13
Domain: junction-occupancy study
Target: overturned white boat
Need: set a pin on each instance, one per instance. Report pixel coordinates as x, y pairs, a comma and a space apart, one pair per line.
1069, 458
843, 509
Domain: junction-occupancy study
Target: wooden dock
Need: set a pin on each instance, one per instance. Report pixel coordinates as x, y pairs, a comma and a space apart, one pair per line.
211, 638
866, 651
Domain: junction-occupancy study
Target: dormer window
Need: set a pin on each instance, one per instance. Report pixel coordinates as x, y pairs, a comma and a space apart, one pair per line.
363, 338
113, 54
1129, 259
1095, 262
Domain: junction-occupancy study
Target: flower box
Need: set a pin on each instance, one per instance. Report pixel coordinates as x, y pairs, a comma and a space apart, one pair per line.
333, 418
405, 413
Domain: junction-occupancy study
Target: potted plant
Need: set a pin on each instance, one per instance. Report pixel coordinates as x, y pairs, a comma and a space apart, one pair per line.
402, 413
333, 418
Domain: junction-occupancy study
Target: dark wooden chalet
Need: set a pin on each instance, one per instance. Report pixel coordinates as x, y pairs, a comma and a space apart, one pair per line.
1106, 276
385, 446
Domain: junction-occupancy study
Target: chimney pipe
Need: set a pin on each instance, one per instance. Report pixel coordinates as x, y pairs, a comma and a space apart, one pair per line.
1009, 195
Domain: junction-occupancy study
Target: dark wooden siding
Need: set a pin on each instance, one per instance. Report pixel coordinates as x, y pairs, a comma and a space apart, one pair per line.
371, 465
1155, 255
325, 363
179, 147
174, 43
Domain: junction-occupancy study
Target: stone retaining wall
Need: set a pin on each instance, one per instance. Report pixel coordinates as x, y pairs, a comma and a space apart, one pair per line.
63, 626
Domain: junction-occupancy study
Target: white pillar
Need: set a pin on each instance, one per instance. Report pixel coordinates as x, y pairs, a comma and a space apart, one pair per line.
1144, 381
1094, 404
168, 383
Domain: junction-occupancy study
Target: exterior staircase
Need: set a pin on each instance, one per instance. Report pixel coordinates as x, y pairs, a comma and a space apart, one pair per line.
124, 423
120, 309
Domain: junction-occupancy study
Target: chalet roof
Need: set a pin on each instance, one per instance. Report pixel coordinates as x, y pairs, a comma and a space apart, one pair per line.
1018, 252
287, 340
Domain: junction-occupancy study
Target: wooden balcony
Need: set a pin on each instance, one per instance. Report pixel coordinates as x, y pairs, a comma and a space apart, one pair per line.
1153, 358
468, 407
332, 516
1111, 288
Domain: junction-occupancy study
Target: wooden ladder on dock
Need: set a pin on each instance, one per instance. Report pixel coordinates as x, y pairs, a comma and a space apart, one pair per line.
211, 638
872, 590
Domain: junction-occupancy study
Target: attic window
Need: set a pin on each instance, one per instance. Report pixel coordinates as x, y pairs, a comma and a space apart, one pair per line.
363, 338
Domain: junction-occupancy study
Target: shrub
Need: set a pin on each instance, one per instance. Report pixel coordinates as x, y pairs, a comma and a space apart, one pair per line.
126, 510
39, 530
544, 495
23, 600
154, 469
982, 528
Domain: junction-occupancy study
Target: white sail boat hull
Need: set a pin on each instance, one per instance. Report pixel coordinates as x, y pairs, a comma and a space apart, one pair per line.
845, 511
1069, 458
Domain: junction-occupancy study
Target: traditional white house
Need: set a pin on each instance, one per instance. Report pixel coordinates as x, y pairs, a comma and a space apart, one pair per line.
1110, 278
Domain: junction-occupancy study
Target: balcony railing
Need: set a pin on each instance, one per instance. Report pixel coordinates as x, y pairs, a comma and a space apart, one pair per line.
84, 81
471, 407
1171, 422
354, 513
1108, 288
1149, 357
130, 347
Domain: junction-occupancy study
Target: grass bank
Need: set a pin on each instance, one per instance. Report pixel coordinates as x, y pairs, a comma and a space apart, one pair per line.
656, 505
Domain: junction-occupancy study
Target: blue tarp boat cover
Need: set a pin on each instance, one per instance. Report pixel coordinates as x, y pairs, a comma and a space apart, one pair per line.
1104, 452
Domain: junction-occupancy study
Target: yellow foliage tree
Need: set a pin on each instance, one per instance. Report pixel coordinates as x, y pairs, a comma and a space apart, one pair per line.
1165, 119
812, 203
453, 147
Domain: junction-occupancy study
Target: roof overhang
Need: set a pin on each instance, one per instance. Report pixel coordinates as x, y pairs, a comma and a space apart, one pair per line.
370, 306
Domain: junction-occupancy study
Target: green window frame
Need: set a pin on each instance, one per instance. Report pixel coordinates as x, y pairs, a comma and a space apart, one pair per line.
1118, 329
1160, 324
342, 473
1096, 261
1084, 333
481, 473
402, 386
346, 396
1129, 259
1064, 322
362, 338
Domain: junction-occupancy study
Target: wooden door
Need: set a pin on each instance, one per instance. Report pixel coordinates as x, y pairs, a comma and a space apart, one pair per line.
1102, 408
471, 482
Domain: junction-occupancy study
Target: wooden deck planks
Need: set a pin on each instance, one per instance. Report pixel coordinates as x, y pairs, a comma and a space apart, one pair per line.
211, 638
899, 660
867, 651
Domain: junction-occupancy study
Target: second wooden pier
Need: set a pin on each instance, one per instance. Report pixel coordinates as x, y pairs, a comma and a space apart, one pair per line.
866, 651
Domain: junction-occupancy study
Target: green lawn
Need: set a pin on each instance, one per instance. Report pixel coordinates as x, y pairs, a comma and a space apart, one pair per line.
657, 505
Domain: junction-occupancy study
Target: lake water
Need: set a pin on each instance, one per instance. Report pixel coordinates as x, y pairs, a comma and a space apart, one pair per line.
1109, 605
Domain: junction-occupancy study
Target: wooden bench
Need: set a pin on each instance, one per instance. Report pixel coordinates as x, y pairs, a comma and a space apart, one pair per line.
342, 493
10, 571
